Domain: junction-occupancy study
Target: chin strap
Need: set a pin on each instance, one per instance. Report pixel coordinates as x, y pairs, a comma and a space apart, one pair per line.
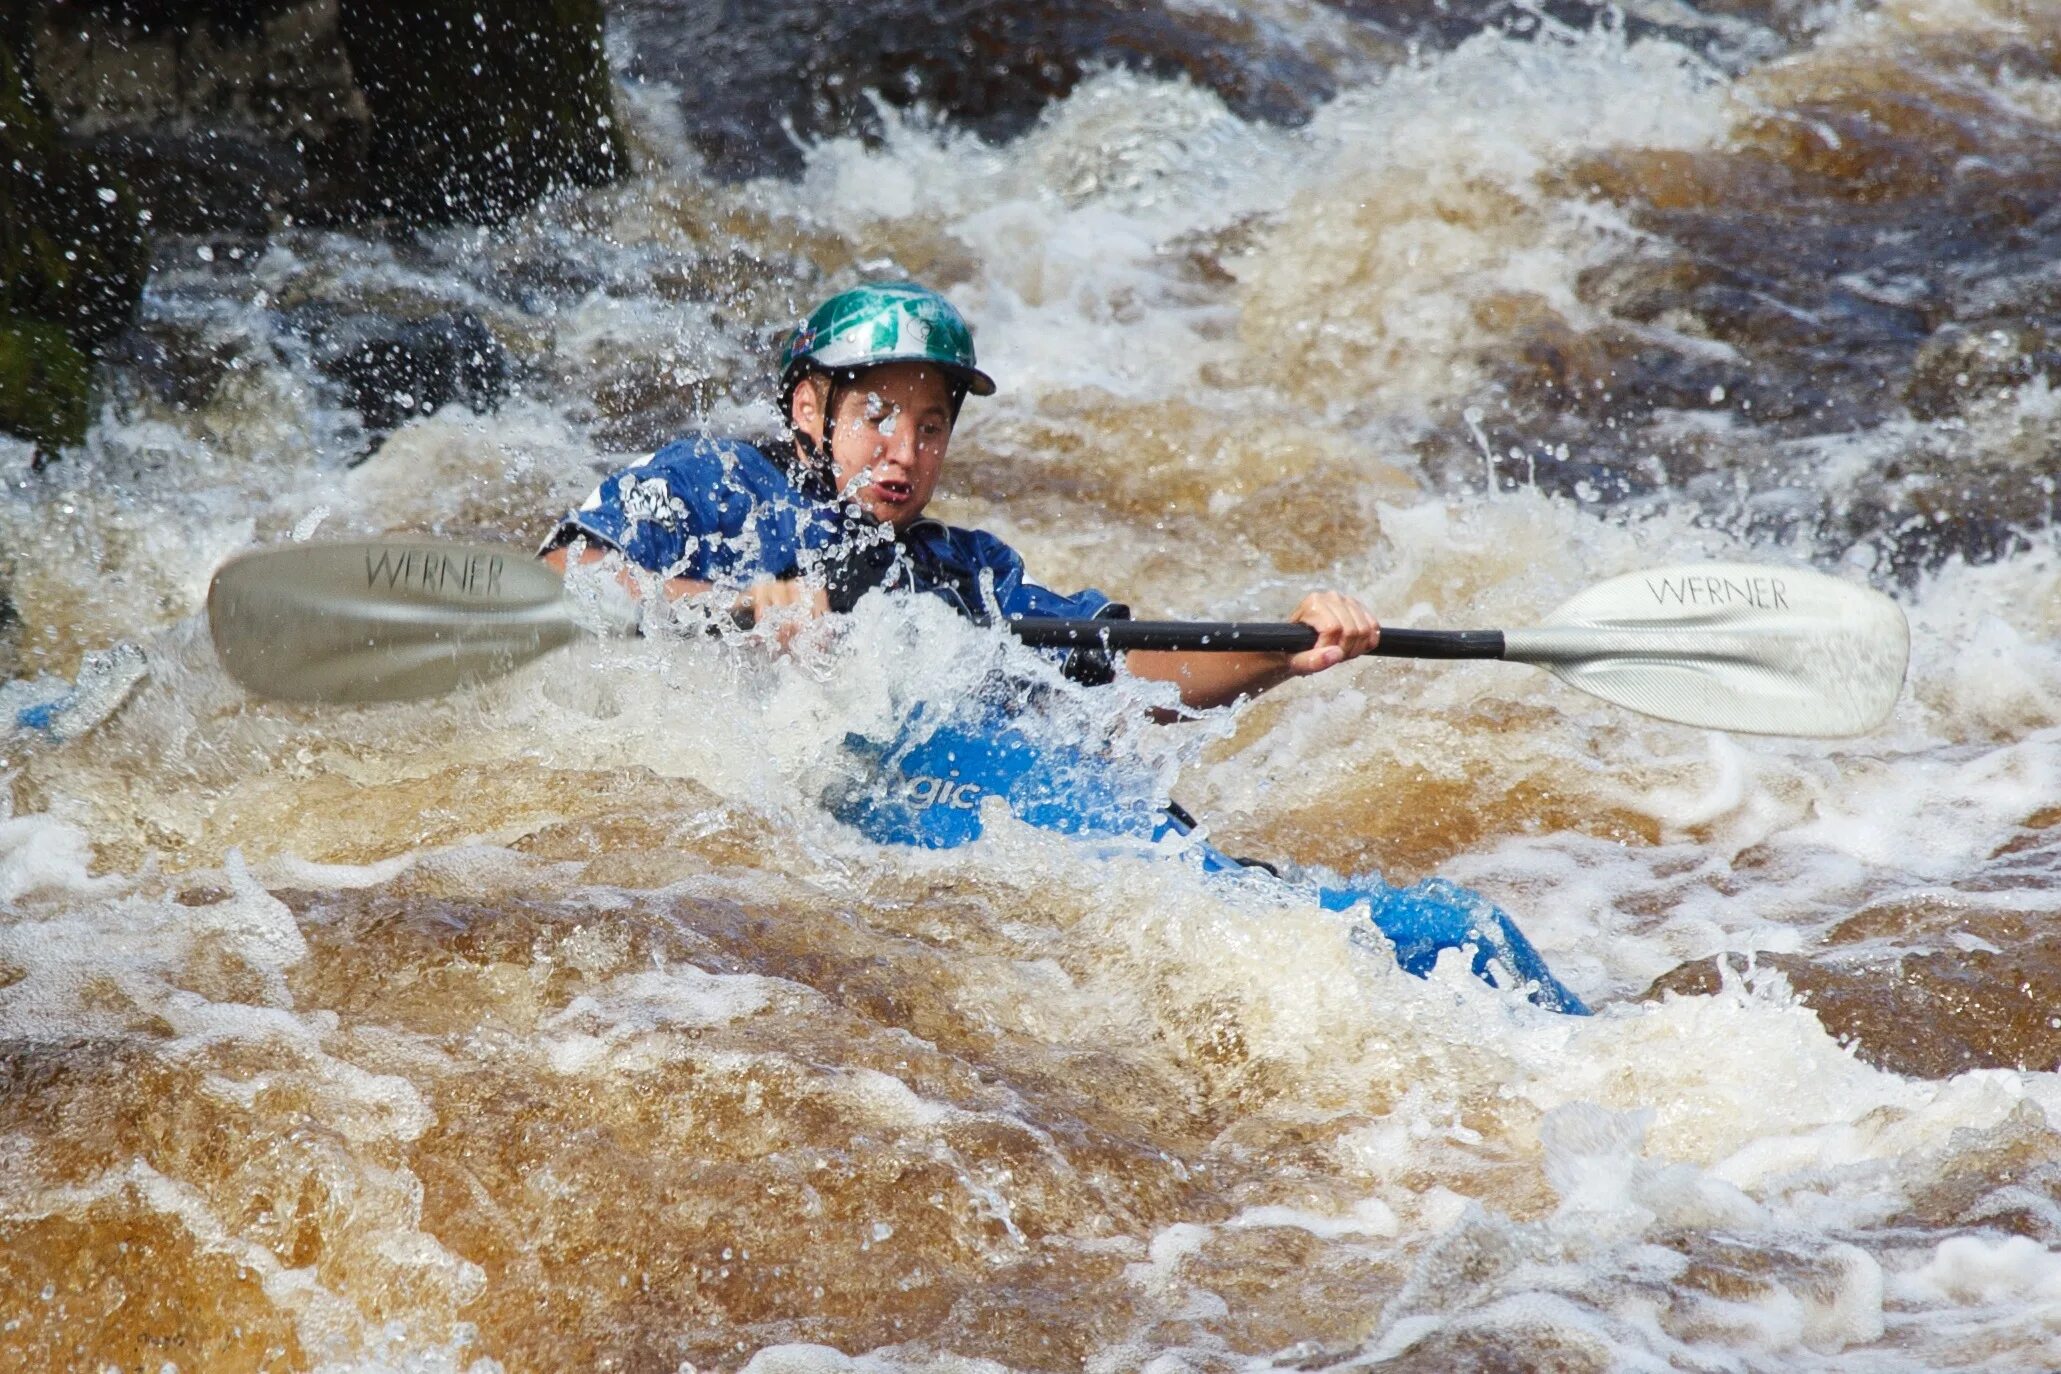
816, 473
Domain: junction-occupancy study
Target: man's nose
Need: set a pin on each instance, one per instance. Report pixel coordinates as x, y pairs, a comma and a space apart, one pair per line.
898, 440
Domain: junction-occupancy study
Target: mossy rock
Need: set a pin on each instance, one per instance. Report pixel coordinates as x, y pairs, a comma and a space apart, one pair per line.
72, 261
45, 380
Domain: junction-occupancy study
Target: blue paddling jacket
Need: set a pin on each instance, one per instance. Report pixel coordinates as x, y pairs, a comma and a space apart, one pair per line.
721, 511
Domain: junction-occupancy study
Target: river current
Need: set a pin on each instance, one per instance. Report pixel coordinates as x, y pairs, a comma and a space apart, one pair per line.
555, 1026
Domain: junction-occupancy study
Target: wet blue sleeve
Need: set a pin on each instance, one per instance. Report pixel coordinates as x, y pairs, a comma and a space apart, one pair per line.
1016, 594
680, 513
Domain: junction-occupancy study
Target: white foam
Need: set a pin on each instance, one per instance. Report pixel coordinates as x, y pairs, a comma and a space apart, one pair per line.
40, 854
253, 923
1983, 1271
619, 1020
1369, 1217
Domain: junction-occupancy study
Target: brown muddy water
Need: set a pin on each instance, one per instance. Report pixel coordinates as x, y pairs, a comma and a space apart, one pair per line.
554, 1025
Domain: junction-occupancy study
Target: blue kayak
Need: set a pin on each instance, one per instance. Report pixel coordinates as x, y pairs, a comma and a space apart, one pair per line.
926, 787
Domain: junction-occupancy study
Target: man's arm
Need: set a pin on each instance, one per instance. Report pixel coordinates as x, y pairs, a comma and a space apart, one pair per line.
762, 599
1345, 630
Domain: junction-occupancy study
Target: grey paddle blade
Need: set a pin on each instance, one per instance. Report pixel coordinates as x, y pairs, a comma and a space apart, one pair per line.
1730, 646
388, 620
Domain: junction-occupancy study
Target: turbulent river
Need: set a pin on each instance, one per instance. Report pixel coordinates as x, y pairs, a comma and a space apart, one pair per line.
555, 1026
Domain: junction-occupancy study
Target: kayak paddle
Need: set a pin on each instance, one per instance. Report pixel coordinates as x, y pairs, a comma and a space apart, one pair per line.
1726, 646
387, 620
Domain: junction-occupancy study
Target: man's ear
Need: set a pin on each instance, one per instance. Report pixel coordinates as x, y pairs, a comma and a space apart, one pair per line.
806, 407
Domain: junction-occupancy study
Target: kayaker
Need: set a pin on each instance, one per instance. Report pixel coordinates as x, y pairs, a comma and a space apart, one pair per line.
871, 384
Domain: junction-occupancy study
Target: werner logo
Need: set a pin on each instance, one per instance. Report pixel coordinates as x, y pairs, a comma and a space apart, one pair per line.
427, 570
928, 792
1715, 590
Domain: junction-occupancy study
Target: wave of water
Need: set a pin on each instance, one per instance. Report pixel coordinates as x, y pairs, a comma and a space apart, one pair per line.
554, 1025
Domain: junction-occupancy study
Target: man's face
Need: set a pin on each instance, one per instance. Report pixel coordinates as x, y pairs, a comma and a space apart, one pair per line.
887, 439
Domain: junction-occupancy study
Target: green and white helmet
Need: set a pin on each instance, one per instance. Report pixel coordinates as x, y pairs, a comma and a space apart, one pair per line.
883, 322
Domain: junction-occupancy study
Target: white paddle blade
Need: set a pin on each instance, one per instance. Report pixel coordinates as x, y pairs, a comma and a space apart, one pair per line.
389, 620
1730, 646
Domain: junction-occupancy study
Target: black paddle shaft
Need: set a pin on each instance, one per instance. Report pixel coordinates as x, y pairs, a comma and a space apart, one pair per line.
1231, 636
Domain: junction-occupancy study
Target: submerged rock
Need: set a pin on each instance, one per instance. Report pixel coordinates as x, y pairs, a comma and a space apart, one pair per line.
1963, 365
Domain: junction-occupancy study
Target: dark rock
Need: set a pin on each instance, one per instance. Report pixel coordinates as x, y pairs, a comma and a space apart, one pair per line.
1448, 23
45, 382
175, 364
479, 109
229, 116
391, 369
755, 78
223, 116
208, 180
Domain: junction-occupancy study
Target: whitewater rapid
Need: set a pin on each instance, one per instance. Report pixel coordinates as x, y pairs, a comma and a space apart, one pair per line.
555, 1025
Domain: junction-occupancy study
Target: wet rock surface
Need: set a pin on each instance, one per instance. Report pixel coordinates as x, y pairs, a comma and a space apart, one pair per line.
1919, 989
121, 119
757, 80
1718, 31
479, 110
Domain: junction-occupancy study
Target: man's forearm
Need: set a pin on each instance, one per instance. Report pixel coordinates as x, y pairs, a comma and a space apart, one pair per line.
1210, 679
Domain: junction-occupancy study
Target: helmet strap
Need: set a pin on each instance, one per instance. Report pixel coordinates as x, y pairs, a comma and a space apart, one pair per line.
817, 474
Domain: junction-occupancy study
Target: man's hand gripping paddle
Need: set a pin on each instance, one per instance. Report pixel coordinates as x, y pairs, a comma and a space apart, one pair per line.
1726, 646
